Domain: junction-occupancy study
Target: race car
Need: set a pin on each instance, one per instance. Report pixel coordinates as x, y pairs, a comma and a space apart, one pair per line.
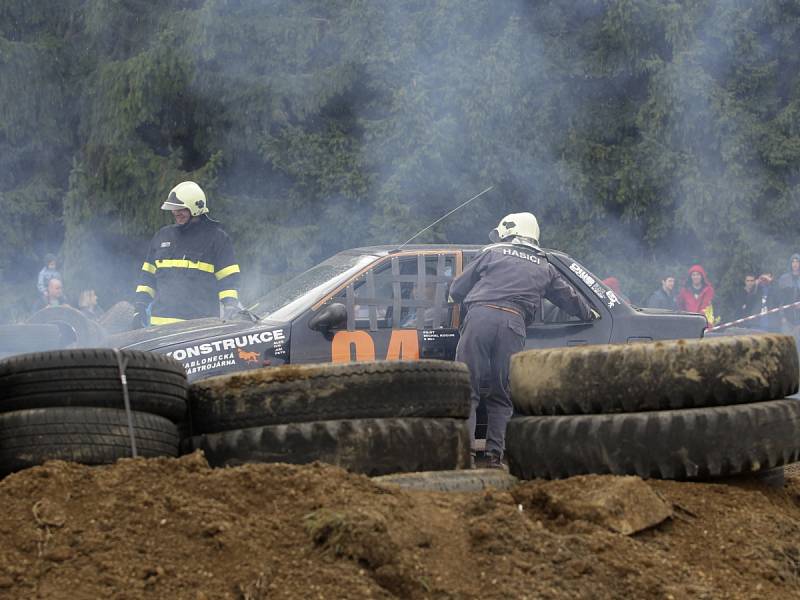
384, 302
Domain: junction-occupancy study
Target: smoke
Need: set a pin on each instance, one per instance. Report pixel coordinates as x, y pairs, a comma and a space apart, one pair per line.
314, 127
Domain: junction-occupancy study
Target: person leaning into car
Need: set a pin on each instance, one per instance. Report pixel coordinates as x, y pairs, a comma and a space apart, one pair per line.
501, 290
190, 266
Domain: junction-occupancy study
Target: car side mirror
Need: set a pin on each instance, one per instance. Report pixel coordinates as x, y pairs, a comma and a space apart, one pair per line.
332, 315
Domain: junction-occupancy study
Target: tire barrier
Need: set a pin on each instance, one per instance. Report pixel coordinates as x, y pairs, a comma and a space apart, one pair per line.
71, 405
373, 418
666, 375
686, 410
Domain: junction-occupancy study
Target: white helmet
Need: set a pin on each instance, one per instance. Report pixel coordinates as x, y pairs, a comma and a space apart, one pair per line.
516, 224
187, 195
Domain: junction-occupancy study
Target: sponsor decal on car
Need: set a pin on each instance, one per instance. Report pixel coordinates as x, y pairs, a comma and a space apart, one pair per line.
612, 299
239, 341
248, 356
209, 363
590, 281
228, 352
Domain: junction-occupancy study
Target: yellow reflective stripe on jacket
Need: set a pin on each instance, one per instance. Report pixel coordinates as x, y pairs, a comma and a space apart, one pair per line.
164, 320
149, 268
228, 294
171, 263
146, 289
223, 273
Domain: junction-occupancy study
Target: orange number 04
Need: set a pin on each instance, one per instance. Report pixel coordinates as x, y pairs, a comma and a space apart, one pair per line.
358, 345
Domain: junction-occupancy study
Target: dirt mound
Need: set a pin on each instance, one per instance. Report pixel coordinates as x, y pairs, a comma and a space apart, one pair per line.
174, 528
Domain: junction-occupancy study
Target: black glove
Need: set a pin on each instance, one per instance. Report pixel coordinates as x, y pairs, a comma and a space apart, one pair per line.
140, 318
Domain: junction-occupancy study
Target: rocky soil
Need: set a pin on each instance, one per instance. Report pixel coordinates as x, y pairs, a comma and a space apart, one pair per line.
174, 528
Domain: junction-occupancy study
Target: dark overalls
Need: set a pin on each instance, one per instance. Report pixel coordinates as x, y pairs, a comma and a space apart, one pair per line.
501, 290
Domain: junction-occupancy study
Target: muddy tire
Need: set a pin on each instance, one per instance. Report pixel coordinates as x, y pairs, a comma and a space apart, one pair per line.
695, 443
90, 378
369, 446
118, 318
657, 376
76, 330
469, 480
300, 393
29, 338
92, 436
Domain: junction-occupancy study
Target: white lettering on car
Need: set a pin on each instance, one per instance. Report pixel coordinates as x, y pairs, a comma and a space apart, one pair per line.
612, 299
588, 280
227, 344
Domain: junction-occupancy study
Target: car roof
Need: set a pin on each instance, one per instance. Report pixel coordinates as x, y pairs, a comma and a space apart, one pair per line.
385, 249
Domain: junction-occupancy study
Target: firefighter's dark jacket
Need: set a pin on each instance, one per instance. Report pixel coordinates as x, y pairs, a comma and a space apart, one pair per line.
188, 271
517, 277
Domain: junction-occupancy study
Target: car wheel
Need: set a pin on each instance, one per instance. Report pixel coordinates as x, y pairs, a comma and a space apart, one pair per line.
369, 446
92, 436
76, 330
70, 378
296, 393
672, 444
654, 376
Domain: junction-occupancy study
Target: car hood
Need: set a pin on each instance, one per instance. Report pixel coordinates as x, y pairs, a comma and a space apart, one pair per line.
162, 336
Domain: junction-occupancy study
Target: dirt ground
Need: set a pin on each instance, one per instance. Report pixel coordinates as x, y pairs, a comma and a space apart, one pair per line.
174, 528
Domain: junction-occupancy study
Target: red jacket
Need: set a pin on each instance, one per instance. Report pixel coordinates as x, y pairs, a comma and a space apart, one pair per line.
687, 299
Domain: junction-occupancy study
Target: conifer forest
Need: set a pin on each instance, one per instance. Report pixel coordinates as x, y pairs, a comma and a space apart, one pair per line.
643, 134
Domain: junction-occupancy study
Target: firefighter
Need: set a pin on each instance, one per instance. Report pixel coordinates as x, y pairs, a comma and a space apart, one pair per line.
190, 266
501, 291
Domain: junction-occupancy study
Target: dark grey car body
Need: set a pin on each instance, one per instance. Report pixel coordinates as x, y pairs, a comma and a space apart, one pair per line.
382, 303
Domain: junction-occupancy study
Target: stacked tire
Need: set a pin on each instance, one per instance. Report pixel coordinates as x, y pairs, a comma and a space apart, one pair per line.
373, 418
684, 409
69, 405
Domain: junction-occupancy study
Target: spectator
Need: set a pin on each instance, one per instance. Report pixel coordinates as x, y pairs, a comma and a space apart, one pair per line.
789, 292
697, 294
48, 272
53, 296
747, 300
87, 303
664, 297
767, 300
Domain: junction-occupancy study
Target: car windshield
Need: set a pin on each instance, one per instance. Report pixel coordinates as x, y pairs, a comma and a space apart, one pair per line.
308, 287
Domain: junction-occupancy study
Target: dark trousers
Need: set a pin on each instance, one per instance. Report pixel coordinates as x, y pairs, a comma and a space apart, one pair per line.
488, 339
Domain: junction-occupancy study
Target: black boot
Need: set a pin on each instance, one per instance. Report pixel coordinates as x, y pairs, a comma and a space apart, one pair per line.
495, 461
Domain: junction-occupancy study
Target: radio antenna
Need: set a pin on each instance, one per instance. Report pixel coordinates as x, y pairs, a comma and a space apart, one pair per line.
463, 204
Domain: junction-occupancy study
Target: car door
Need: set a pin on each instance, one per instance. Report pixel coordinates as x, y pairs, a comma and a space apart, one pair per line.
396, 309
554, 327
